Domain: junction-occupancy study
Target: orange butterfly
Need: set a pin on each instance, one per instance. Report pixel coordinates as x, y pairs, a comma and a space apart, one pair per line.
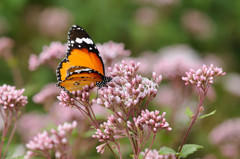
82, 65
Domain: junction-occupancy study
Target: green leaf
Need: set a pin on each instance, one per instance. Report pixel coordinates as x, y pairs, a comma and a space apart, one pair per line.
166, 150
189, 149
207, 115
188, 112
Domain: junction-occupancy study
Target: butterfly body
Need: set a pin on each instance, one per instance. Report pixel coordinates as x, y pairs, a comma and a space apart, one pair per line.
82, 65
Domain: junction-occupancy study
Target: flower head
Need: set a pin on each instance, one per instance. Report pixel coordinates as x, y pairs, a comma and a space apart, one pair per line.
49, 91
57, 22
153, 154
54, 141
227, 132
82, 96
10, 98
110, 51
152, 120
111, 129
173, 61
128, 88
33, 121
198, 24
203, 77
56, 50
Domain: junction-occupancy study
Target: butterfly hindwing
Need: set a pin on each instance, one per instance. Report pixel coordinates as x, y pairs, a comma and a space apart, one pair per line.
78, 78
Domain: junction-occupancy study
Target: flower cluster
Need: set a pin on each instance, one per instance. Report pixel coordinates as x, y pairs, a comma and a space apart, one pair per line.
57, 22
128, 89
227, 132
153, 154
47, 93
127, 95
56, 50
173, 61
44, 144
152, 120
203, 77
82, 96
198, 24
111, 129
10, 98
226, 137
32, 121
110, 51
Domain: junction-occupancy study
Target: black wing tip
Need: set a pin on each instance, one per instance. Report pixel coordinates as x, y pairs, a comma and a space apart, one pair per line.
75, 27
59, 67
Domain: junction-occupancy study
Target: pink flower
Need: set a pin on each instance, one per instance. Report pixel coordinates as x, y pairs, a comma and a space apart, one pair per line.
49, 56
57, 22
128, 87
198, 24
230, 83
146, 16
166, 96
48, 93
60, 114
227, 132
230, 150
111, 51
43, 144
174, 61
203, 77
110, 130
152, 120
146, 60
34, 122
153, 154
10, 98
76, 97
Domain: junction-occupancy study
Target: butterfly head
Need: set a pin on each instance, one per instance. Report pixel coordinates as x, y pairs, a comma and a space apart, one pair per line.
104, 81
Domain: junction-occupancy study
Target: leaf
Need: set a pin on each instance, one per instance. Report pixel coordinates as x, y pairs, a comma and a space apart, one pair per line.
188, 112
189, 149
207, 115
166, 150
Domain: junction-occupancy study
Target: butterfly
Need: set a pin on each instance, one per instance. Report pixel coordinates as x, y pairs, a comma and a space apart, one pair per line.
83, 64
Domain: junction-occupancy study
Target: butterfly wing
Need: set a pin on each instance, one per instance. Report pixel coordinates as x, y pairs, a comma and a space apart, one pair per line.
78, 78
81, 52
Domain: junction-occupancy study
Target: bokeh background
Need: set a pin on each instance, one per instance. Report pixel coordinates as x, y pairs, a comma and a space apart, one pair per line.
164, 35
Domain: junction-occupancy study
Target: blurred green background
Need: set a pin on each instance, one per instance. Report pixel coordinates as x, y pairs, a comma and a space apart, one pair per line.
211, 26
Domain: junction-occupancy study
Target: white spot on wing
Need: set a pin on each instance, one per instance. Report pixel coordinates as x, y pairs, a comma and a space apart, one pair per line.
86, 69
86, 40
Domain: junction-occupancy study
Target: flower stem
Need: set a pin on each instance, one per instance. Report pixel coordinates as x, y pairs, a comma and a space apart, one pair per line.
112, 151
11, 136
192, 122
149, 146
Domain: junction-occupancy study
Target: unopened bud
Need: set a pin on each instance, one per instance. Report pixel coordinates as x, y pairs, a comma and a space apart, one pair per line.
201, 109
